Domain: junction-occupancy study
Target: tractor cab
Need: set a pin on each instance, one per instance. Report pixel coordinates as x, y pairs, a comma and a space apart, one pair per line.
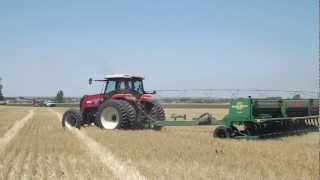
124, 84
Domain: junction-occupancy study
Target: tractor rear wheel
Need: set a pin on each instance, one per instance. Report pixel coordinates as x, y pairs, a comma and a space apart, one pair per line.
115, 114
151, 112
157, 112
72, 118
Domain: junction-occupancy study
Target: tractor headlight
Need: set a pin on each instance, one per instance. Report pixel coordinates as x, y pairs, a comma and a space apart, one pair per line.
89, 102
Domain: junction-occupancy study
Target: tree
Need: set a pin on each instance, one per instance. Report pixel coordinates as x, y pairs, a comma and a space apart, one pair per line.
59, 97
1, 95
297, 96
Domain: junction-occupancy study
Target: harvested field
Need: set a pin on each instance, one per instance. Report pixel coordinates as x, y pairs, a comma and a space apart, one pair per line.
194, 113
121, 170
43, 150
61, 110
9, 116
192, 153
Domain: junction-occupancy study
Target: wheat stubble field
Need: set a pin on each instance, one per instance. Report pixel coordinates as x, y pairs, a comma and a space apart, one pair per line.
41, 149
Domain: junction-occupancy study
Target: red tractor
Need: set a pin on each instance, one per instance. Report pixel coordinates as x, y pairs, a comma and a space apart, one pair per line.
124, 104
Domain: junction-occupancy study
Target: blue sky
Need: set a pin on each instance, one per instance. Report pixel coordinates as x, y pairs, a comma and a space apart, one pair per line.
251, 44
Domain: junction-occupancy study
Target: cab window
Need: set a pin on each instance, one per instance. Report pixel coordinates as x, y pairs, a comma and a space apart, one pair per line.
138, 86
111, 86
122, 85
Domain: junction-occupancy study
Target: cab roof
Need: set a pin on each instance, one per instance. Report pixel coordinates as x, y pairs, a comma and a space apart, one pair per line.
123, 76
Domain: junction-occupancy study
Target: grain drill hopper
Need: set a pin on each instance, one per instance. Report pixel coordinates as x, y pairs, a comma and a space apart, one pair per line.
253, 118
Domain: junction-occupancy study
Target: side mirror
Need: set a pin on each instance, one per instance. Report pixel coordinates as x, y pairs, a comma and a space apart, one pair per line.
90, 81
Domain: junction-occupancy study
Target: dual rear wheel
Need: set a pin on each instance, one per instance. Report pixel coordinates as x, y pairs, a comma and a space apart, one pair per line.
120, 114
115, 114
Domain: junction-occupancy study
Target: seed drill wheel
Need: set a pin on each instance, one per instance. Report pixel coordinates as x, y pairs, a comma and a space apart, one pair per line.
115, 114
72, 118
222, 132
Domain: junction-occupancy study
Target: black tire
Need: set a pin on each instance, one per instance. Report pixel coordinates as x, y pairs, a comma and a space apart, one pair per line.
73, 118
157, 112
151, 112
131, 115
221, 132
121, 115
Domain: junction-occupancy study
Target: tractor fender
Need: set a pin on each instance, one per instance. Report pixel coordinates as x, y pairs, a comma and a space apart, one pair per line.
89, 102
125, 97
147, 98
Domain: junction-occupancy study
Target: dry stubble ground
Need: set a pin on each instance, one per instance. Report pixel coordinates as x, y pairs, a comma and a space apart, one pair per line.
42, 149
193, 113
192, 153
10, 115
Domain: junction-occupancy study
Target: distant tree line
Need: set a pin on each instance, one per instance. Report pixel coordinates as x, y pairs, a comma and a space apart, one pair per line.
60, 97
1, 95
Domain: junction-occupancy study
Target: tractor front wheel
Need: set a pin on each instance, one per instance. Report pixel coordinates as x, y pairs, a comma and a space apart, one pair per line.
72, 118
